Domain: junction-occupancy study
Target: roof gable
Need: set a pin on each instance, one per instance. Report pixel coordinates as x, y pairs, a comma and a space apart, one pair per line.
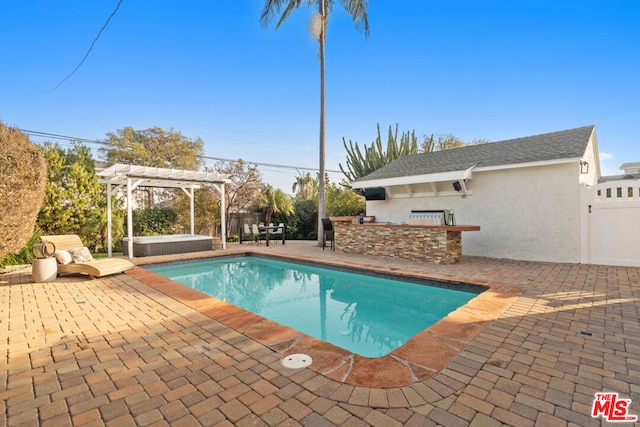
567, 144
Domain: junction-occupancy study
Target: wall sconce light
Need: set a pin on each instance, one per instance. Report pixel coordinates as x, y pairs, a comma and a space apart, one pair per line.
457, 186
584, 167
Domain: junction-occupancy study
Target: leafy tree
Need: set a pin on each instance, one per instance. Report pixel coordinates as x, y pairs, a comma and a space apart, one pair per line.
446, 142
274, 201
206, 211
243, 191
153, 147
73, 196
440, 142
479, 141
23, 175
343, 201
362, 162
357, 9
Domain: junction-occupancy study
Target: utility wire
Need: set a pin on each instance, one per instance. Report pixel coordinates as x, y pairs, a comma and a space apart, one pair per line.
273, 165
93, 141
56, 136
86, 55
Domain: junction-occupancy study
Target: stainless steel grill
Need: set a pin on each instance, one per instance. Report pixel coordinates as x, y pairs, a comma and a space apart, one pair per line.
431, 217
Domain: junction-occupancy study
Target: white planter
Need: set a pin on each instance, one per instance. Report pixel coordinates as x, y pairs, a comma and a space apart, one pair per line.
44, 270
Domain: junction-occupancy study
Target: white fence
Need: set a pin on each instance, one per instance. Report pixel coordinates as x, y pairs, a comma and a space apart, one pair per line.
613, 223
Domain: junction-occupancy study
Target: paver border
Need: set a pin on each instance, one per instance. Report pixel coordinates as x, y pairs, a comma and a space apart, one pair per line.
422, 357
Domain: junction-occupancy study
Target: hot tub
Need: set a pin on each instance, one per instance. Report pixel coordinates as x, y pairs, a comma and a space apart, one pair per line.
167, 245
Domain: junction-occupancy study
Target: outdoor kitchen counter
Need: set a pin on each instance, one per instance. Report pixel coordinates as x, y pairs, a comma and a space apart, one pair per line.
441, 244
446, 227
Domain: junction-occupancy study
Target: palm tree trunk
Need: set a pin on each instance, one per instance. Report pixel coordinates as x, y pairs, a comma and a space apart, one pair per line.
321, 178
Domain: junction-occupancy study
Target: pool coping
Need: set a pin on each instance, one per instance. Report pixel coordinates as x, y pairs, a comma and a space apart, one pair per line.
420, 358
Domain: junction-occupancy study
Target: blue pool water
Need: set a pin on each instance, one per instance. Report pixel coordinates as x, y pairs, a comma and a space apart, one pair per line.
364, 314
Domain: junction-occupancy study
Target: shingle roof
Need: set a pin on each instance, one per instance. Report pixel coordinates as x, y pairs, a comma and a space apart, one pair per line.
565, 144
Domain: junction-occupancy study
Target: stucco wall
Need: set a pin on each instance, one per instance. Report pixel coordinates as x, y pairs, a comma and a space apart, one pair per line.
528, 213
593, 160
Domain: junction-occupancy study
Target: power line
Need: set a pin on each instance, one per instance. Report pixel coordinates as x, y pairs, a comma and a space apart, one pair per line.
273, 165
86, 55
93, 141
65, 137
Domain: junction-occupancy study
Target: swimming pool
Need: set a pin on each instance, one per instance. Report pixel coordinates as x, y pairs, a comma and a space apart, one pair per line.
366, 314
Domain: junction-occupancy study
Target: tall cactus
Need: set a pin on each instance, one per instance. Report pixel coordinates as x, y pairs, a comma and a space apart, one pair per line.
363, 162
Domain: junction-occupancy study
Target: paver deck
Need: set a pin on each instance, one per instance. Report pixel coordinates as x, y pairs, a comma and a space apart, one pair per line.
131, 349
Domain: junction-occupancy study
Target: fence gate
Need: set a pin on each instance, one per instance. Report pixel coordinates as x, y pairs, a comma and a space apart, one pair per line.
614, 223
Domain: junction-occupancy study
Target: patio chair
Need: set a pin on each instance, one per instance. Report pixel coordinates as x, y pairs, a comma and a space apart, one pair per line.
247, 234
276, 234
256, 232
327, 227
92, 268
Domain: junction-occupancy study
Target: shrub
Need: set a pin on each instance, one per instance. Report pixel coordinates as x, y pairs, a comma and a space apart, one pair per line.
24, 255
23, 174
302, 223
154, 221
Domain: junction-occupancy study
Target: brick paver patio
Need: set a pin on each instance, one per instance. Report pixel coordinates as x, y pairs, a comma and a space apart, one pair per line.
117, 352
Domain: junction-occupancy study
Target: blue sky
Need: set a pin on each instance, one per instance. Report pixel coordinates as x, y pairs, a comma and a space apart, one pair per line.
475, 69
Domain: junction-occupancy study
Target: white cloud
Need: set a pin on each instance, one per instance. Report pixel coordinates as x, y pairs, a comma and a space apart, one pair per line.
607, 168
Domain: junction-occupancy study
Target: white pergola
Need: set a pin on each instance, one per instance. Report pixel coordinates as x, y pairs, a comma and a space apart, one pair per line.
121, 175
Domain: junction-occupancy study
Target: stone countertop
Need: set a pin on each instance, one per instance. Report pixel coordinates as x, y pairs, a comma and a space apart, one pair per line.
394, 225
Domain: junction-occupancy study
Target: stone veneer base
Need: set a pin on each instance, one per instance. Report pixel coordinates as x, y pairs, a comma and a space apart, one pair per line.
439, 244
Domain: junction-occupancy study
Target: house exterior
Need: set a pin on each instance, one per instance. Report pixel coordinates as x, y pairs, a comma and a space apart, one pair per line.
526, 194
631, 171
630, 168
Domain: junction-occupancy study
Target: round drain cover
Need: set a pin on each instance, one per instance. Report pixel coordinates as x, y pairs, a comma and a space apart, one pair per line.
295, 361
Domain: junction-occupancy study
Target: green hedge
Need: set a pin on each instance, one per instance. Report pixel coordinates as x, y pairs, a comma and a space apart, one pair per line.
154, 221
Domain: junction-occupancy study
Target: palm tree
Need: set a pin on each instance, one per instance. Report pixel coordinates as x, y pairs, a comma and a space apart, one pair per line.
306, 186
357, 9
275, 201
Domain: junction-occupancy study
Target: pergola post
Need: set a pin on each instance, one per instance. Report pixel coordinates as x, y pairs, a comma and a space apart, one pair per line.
223, 217
129, 220
191, 206
190, 195
109, 237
